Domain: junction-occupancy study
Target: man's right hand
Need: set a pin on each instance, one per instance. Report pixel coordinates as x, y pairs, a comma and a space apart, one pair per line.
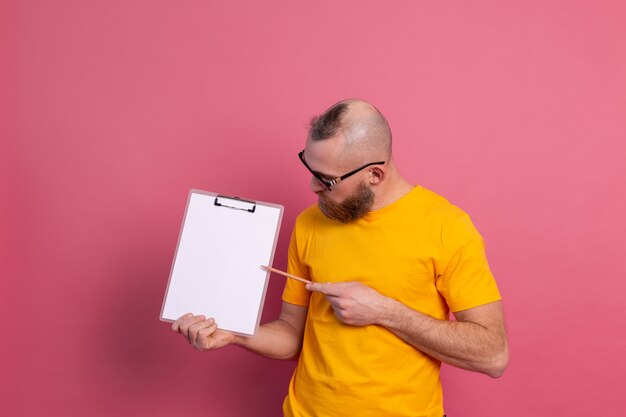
202, 333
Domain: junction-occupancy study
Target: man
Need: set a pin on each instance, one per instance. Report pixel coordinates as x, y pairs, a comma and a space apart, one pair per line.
388, 261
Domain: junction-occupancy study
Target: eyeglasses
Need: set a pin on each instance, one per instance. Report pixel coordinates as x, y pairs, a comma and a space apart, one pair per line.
329, 183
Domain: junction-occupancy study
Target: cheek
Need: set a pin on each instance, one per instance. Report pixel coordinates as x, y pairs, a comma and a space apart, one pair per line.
331, 197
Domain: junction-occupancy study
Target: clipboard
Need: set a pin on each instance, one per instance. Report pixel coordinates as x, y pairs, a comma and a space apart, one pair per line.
216, 268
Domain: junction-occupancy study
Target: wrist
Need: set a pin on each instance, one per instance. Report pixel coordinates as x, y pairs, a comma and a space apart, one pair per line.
239, 340
391, 313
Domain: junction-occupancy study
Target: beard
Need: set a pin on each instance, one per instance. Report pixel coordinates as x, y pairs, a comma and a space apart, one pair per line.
352, 208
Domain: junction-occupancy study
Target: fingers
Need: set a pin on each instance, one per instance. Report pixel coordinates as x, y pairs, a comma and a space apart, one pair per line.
327, 288
176, 324
189, 326
202, 333
187, 323
197, 327
204, 341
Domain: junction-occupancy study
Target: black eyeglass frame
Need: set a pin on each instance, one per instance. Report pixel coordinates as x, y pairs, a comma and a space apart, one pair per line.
331, 183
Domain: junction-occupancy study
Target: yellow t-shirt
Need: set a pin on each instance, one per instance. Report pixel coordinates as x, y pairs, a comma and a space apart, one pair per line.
420, 250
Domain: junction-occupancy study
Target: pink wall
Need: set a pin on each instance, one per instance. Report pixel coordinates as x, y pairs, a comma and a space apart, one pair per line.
112, 111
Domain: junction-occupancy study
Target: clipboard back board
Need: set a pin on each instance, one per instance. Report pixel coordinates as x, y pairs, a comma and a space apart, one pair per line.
216, 270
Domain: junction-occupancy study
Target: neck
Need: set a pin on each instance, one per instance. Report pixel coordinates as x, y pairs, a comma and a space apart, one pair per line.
392, 189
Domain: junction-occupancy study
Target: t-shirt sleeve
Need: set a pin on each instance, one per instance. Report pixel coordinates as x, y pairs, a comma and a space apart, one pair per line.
464, 280
295, 292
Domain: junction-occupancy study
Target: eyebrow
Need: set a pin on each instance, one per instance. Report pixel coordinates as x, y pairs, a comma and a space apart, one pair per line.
321, 174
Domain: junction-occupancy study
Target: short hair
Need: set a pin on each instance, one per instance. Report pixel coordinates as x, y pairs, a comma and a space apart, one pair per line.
328, 123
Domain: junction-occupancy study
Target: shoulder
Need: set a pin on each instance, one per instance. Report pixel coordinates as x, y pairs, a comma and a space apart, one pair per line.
448, 220
439, 208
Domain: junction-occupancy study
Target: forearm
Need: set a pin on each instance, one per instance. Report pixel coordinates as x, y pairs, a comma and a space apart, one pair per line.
466, 344
277, 340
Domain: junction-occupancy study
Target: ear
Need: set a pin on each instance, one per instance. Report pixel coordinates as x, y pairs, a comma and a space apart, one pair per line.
377, 175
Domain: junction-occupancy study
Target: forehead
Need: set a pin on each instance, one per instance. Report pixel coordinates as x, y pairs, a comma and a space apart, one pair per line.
326, 156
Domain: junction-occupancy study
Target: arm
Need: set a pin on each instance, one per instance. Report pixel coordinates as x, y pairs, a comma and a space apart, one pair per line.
477, 341
279, 339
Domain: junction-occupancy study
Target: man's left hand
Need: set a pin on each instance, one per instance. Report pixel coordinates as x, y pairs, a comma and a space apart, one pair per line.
354, 303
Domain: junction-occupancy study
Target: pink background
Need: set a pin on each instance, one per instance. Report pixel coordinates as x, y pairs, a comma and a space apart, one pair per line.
112, 110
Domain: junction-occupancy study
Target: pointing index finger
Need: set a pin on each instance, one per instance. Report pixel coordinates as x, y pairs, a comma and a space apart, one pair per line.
327, 288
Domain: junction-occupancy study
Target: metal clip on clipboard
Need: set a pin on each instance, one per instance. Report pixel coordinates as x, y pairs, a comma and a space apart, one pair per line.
236, 203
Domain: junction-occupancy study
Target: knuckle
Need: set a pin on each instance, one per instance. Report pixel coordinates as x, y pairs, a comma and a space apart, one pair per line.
202, 345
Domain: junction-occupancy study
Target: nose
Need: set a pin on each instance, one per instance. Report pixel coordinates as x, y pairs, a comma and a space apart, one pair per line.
316, 186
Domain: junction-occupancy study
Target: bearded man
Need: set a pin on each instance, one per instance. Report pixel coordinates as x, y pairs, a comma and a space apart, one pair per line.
389, 260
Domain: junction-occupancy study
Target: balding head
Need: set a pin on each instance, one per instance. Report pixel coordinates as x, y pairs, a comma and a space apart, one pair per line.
364, 131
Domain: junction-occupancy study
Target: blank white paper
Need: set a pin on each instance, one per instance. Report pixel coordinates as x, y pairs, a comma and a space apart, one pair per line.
216, 269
